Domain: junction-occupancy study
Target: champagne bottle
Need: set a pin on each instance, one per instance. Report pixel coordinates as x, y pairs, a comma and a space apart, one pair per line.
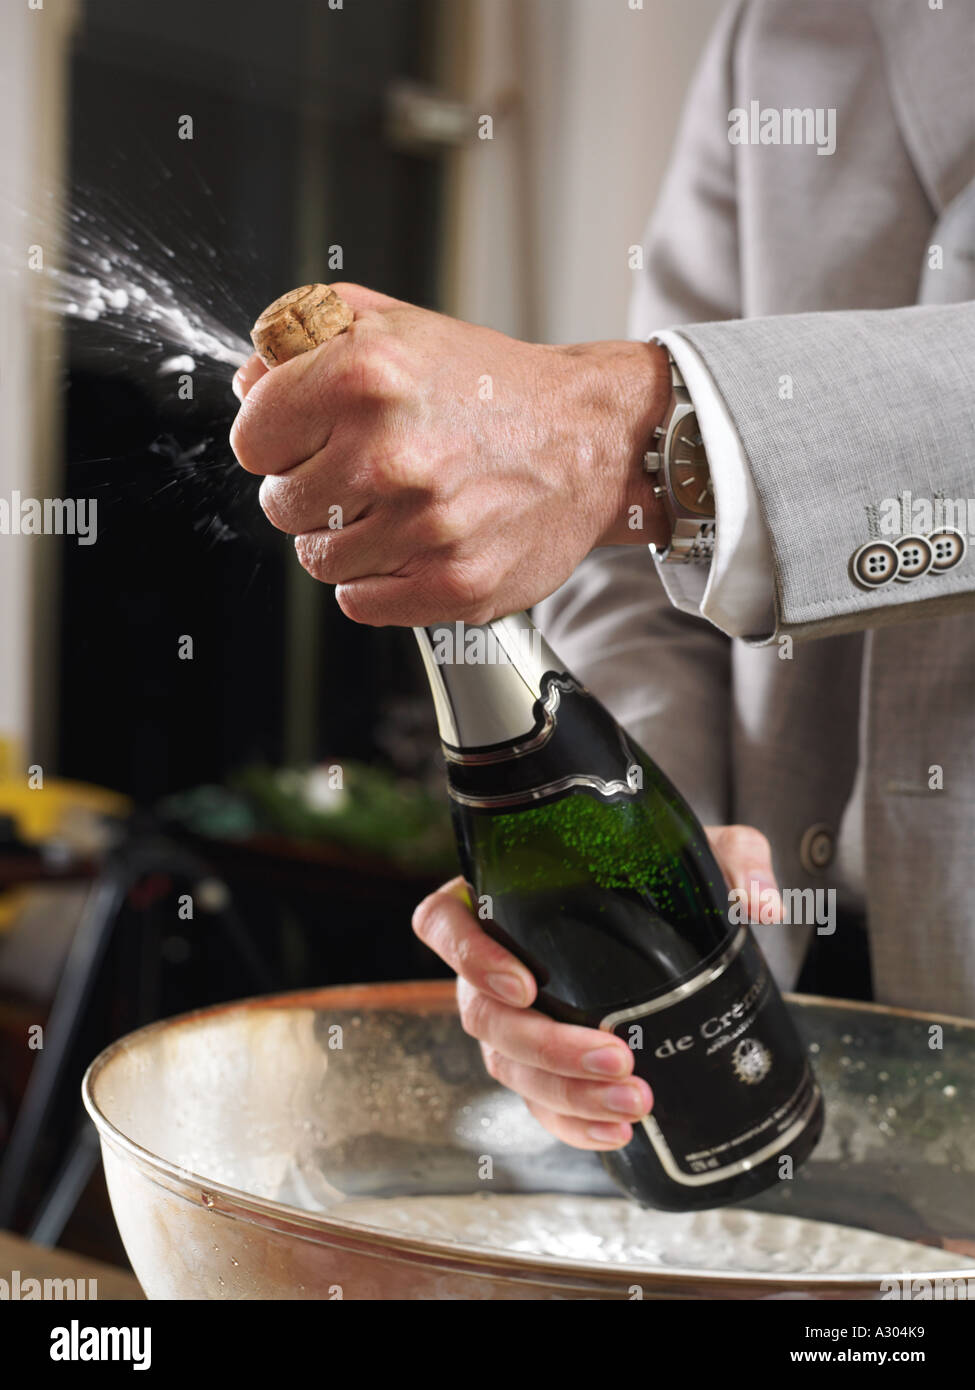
588, 865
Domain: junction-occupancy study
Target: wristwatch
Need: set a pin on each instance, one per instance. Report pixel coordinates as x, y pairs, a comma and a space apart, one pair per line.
684, 483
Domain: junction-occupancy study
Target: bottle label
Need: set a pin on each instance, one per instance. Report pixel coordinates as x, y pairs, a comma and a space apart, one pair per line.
731, 1085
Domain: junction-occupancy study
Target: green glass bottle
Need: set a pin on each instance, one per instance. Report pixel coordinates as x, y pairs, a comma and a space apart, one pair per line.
587, 864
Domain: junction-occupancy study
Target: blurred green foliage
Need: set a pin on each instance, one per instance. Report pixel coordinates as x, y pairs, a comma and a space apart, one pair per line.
364, 808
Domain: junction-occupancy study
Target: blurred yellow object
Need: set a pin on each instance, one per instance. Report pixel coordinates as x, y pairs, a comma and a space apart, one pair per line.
45, 812
68, 811
9, 755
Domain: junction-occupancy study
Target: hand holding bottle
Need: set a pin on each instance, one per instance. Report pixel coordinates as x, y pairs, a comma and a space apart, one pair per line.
436, 470
577, 1082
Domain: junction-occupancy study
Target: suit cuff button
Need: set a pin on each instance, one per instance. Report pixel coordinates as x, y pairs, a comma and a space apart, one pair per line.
816, 849
916, 557
948, 549
875, 564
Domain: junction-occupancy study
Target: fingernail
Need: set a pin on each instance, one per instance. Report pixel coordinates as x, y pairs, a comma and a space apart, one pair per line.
510, 987
626, 1100
236, 387
605, 1061
609, 1133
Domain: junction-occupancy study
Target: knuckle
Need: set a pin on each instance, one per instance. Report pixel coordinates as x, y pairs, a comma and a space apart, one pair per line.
551, 1054
465, 587
326, 557
475, 1011
438, 527
247, 428
242, 440
359, 606
352, 603
306, 550
397, 470
433, 925
275, 503
464, 1005
493, 1063
424, 918
374, 375
261, 423
238, 439
319, 555
466, 954
478, 614
549, 1122
562, 1095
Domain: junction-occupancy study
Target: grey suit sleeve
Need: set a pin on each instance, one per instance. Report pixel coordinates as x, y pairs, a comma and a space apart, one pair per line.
841, 415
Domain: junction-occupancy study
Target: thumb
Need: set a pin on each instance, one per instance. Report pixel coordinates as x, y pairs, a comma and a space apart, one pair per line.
745, 857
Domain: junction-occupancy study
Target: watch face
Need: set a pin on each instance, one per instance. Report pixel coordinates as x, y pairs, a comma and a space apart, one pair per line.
690, 477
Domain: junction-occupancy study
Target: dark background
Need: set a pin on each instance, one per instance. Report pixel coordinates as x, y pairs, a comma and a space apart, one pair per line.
287, 116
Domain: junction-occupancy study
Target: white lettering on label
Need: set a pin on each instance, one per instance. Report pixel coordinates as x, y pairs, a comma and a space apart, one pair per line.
712, 1027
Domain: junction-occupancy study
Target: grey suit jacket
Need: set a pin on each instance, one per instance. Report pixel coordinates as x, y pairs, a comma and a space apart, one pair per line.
848, 274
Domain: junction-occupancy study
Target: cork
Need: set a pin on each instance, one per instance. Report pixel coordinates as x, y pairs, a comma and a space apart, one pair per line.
299, 321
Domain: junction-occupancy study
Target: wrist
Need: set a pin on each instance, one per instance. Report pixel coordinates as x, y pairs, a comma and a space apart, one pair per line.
638, 393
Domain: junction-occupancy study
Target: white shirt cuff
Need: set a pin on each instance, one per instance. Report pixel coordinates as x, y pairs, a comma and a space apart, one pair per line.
736, 591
